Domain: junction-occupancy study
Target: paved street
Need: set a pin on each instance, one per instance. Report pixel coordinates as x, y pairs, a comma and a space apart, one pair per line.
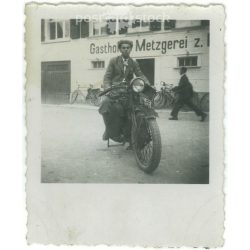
73, 150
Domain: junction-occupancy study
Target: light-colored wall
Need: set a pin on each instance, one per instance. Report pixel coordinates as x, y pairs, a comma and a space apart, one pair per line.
78, 52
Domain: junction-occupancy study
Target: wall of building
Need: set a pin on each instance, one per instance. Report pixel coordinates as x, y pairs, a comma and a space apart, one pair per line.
165, 47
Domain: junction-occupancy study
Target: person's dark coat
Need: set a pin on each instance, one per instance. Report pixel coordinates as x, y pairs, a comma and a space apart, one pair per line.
115, 72
184, 90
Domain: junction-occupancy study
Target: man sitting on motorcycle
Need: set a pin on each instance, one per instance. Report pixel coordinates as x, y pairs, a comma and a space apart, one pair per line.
120, 69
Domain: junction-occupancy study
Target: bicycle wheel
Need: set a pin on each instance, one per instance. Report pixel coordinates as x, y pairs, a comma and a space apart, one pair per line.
204, 103
169, 100
74, 96
80, 98
159, 101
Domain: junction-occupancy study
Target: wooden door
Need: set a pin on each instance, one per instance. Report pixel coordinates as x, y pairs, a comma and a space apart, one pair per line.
55, 79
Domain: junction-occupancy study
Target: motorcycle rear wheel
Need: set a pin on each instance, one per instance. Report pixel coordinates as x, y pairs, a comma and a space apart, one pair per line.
148, 155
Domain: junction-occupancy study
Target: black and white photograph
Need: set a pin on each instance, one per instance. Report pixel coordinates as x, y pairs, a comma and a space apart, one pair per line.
125, 100
124, 120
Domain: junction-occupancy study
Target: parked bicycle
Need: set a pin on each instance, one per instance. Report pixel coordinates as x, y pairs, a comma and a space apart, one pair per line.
92, 96
165, 98
77, 96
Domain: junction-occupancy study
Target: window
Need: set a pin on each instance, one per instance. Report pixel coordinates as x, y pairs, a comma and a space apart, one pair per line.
98, 64
74, 29
84, 28
99, 28
59, 29
56, 30
111, 26
169, 24
155, 25
52, 30
123, 26
188, 61
138, 25
187, 23
79, 28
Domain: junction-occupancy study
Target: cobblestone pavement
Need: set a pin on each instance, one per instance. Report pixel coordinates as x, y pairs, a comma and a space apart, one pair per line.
73, 150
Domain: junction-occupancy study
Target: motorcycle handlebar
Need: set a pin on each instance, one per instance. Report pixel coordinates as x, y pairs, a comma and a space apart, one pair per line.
109, 89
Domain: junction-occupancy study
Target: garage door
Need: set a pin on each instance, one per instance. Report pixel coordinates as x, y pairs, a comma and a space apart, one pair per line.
55, 82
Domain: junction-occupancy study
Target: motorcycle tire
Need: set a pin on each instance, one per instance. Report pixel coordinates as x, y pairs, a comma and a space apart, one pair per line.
149, 162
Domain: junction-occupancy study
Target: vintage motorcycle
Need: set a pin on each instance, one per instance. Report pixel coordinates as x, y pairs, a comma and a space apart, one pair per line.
144, 133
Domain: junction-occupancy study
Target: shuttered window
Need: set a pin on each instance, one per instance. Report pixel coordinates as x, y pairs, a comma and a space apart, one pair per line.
79, 28
84, 28
52, 30
42, 30
74, 29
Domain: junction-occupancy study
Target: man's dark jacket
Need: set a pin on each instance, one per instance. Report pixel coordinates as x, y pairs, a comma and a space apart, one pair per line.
184, 90
115, 72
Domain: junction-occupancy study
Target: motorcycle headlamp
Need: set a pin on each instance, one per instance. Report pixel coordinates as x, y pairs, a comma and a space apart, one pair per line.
138, 85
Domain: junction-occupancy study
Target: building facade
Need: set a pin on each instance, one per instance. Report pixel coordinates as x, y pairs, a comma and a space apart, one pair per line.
77, 52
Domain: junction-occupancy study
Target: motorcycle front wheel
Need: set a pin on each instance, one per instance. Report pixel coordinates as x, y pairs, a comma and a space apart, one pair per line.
146, 141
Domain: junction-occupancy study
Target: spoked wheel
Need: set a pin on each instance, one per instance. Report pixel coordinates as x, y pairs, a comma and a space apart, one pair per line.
169, 100
77, 97
159, 100
146, 141
74, 96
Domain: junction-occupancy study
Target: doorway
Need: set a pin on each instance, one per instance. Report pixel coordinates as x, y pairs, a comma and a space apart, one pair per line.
55, 82
147, 67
